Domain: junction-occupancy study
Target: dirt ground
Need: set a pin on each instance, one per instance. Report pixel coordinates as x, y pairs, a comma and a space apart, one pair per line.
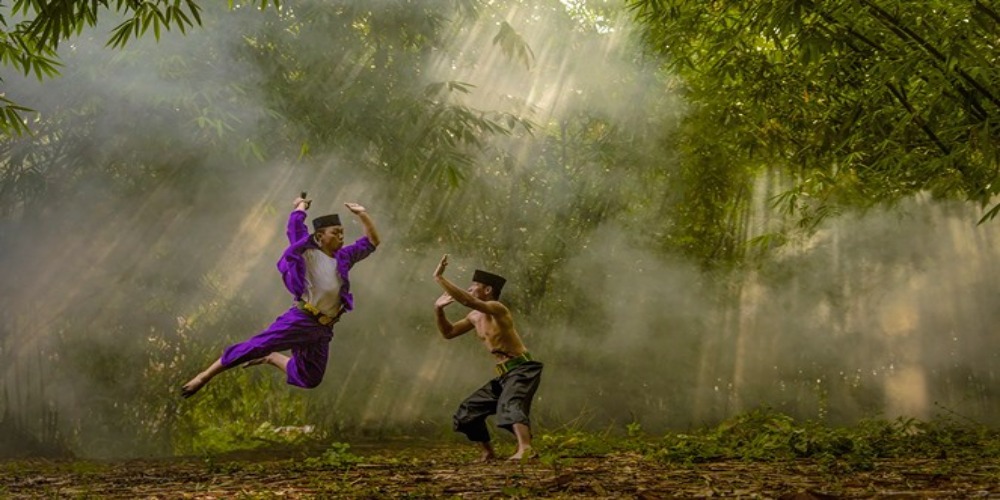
447, 472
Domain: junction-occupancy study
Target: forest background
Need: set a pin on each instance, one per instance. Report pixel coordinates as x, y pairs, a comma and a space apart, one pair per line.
701, 207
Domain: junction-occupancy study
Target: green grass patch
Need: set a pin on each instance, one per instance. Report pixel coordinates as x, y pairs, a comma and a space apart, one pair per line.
766, 435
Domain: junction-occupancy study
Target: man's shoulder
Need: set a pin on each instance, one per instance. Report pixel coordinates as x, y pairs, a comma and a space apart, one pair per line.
497, 302
500, 307
360, 244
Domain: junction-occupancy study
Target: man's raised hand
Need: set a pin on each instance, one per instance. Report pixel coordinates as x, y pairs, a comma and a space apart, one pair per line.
441, 266
354, 208
302, 203
443, 300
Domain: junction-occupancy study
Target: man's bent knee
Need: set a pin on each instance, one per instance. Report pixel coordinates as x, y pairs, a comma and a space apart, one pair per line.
474, 429
304, 382
512, 412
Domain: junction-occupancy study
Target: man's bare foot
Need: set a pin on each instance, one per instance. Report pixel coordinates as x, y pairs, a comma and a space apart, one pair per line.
188, 389
486, 457
526, 453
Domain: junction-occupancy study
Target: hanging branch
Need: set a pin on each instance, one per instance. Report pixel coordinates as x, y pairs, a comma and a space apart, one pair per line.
898, 94
976, 108
904, 32
988, 11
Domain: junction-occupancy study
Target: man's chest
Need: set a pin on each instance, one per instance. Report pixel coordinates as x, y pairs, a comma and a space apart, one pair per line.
321, 268
486, 326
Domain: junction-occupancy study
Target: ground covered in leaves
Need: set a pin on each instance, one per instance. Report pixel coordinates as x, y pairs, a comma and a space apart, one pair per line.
761, 454
447, 472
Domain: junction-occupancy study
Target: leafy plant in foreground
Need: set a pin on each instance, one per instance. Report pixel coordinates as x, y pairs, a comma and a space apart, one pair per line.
337, 456
765, 435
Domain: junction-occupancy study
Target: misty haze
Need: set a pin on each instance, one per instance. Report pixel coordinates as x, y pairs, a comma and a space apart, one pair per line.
142, 218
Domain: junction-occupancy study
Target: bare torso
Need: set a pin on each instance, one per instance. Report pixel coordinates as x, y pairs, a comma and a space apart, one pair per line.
498, 334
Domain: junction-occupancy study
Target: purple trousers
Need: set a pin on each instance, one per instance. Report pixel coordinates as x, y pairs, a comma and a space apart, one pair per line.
294, 330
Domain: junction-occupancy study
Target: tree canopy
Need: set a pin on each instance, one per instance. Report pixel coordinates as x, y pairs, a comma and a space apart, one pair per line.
31, 31
859, 102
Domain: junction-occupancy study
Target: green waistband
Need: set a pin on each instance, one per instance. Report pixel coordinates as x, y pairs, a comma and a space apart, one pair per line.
509, 365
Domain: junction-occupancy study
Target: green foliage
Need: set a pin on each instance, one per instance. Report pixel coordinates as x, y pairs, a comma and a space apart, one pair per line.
513, 45
765, 435
30, 45
575, 444
859, 103
231, 435
336, 456
376, 93
245, 410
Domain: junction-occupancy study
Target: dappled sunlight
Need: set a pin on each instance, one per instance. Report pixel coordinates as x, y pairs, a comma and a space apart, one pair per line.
899, 317
81, 275
905, 386
245, 245
906, 392
664, 280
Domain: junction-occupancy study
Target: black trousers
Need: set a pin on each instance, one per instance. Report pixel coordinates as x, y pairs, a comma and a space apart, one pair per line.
507, 396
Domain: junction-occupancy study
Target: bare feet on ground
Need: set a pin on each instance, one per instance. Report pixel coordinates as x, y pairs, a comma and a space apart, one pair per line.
525, 453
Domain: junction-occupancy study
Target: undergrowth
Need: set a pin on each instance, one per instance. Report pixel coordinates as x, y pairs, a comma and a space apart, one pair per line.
761, 435
767, 435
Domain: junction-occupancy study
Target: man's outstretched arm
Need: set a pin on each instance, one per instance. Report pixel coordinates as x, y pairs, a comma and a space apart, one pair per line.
297, 229
366, 221
448, 329
463, 297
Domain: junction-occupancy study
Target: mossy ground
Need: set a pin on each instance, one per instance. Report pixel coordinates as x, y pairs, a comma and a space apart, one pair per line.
761, 454
449, 471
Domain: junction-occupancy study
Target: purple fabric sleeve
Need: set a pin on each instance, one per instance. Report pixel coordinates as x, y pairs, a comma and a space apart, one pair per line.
346, 258
297, 228
292, 264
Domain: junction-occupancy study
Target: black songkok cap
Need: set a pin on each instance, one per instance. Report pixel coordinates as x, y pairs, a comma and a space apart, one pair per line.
489, 279
326, 221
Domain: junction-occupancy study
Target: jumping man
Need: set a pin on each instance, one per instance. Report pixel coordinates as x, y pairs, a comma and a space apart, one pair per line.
508, 395
315, 270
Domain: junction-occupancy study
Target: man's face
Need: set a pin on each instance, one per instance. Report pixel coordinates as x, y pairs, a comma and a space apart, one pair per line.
480, 291
330, 238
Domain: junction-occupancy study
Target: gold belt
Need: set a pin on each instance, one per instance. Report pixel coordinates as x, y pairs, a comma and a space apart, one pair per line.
509, 365
322, 318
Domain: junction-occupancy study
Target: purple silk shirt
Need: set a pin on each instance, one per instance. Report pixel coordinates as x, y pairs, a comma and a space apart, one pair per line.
297, 330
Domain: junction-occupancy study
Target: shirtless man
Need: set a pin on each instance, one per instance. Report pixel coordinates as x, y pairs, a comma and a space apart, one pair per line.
509, 394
